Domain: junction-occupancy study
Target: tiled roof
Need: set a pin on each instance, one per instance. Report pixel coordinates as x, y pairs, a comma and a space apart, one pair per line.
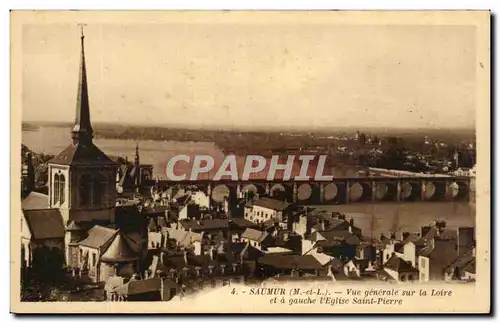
82, 154
244, 223
184, 238
443, 253
341, 235
290, 261
399, 265
35, 201
98, 237
119, 250
205, 224
45, 224
254, 235
271, 204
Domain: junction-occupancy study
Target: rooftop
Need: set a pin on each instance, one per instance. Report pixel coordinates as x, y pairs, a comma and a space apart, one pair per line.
271, 204
98, 237
45, 224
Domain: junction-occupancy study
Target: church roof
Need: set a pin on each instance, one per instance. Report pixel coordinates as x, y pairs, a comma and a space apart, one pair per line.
45, 224
82, 154
119, 250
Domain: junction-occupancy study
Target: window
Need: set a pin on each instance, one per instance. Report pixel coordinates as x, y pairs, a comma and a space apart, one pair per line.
55, 192
58, 191
422, 263
92, 189
94, 261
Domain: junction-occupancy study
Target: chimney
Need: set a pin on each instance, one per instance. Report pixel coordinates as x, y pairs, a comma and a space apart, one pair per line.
350, 229
322, 225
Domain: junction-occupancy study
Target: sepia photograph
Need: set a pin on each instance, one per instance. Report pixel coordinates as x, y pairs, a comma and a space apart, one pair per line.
250, 161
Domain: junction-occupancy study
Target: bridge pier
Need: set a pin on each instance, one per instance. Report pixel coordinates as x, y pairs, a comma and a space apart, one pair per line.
374, 190
398, 191
422, 190
321, 193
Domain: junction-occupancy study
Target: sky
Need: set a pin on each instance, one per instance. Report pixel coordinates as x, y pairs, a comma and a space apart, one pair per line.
274, 74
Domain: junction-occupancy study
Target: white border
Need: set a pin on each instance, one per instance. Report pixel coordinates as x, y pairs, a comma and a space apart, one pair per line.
144, 4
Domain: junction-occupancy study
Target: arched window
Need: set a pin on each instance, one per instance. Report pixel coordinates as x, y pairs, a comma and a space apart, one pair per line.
56, 191
62, 182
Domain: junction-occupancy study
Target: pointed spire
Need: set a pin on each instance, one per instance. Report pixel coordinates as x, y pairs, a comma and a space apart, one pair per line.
82, 131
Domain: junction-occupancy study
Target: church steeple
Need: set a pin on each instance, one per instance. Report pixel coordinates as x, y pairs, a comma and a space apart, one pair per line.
82, 132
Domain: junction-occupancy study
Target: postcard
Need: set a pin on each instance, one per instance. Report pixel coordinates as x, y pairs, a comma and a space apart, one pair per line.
250, 162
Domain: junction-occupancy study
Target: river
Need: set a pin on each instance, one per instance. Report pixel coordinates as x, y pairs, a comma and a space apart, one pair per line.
373, 219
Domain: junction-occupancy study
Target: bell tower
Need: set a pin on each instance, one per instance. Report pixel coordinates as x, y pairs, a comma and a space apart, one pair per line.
82, 178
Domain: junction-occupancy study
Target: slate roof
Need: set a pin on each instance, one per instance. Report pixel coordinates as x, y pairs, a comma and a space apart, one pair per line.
254, 235
271, 204
415, 239
82, 154
399, 265
290, 261
45, 224
119, 250
443, 253
98, 237
136, 287
35, 201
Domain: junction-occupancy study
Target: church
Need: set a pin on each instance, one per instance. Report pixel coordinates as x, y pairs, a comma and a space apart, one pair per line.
79, 229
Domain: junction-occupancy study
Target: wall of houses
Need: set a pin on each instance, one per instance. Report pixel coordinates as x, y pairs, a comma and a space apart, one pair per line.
423, 269
301, 226
261, 214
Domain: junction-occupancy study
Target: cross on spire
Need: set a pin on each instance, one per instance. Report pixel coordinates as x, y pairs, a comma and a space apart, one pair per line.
82, 25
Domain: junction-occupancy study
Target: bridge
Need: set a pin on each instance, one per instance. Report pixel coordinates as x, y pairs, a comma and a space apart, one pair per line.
376, 189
